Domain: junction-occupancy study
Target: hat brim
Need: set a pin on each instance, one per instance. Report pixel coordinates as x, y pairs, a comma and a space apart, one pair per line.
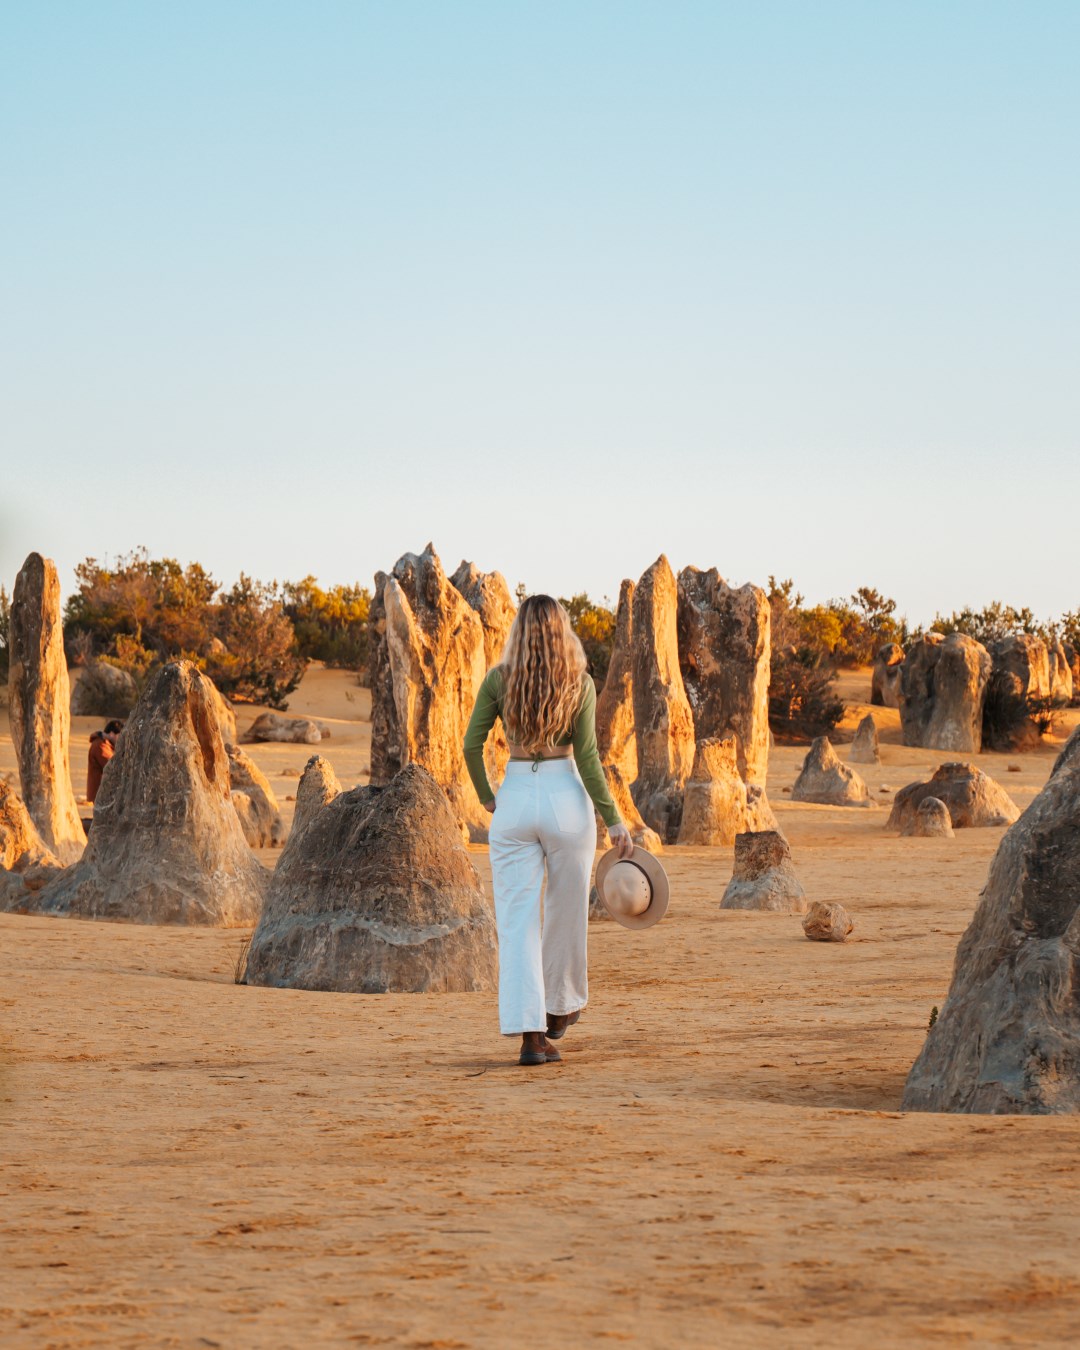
658, 881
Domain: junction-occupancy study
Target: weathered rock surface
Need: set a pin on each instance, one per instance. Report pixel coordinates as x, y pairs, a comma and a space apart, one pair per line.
1072, 656
253, 801
972, 797
663, 723
25, 863
825, 780
226, 716
827, 922
102, 690
885, 679
1020, 672
865, 748
759, 814
943, 684
1062, 686
714, 803
40, 707
489, 595
166, 846
929, 820
620, 795
374, 893
1008, 1037
764, 876
615, 738
428, 663
291, 730
724, 648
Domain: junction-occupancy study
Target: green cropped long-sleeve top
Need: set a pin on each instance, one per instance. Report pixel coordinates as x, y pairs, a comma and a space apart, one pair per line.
581, 735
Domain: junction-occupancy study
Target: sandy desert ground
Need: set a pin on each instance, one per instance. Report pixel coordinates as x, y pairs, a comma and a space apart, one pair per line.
719, 1160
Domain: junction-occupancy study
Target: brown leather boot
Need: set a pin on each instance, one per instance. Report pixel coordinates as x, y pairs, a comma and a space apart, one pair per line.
535, 1049
558, 1022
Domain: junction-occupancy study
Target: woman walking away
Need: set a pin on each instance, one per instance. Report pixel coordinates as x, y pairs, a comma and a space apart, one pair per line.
547, 702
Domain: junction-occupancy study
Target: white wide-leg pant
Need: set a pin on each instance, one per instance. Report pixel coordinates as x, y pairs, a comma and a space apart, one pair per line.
542, 813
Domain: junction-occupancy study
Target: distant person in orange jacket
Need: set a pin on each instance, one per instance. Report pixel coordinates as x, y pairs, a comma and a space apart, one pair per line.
102, 745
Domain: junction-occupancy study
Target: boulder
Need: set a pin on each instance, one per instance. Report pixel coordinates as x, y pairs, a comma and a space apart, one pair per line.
101, 690
827, 922
1007, 1040
290, 730
864, 748
428, 663
885, 678
724, 646
615, 738
40, 707
23, 854
620, 795
1062, 685
166, 846
929, 820
489, 595
254, 801
714, 803
1020, 675
943, 685
824, 780
972, 798
374, 893
663, 723
764, 876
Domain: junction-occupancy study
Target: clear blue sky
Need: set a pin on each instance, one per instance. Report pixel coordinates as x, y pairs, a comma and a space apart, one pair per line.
775, 287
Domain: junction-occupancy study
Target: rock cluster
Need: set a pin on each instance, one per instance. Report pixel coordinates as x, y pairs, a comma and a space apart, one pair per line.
943, 684
827, 922
1008, 1036
427, 665
40, 707
826, 781
723, 642
764, 876
971, 797
166, 846
864, 748
885, 679
253, 801
270, 726
374, 893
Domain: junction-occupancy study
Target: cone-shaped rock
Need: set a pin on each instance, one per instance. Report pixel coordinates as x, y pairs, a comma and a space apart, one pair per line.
930, 820
1020, 672
25, 862
615, 739
427, 666
885, 680
764, 876
253, 801
714, 803
864, 748
827, 922
1008, 1037
942, 692
40, 698
166, 846
972, 797
826, 781
374, 893
489, 595
724, 654
663, 723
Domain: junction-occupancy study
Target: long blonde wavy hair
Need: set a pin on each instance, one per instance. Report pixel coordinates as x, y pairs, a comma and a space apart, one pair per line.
543, 664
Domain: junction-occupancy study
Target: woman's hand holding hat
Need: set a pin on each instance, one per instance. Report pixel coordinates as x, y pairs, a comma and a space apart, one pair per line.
619, 837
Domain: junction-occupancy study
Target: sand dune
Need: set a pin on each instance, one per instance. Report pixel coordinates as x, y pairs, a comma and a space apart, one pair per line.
718, 1161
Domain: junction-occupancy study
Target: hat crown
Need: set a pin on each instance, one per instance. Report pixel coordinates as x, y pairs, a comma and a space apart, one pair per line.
627, 889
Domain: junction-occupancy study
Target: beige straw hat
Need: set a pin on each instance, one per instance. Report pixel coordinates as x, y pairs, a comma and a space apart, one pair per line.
635, 889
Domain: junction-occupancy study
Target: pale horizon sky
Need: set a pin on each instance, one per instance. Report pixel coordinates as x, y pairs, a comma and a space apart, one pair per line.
777, 288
